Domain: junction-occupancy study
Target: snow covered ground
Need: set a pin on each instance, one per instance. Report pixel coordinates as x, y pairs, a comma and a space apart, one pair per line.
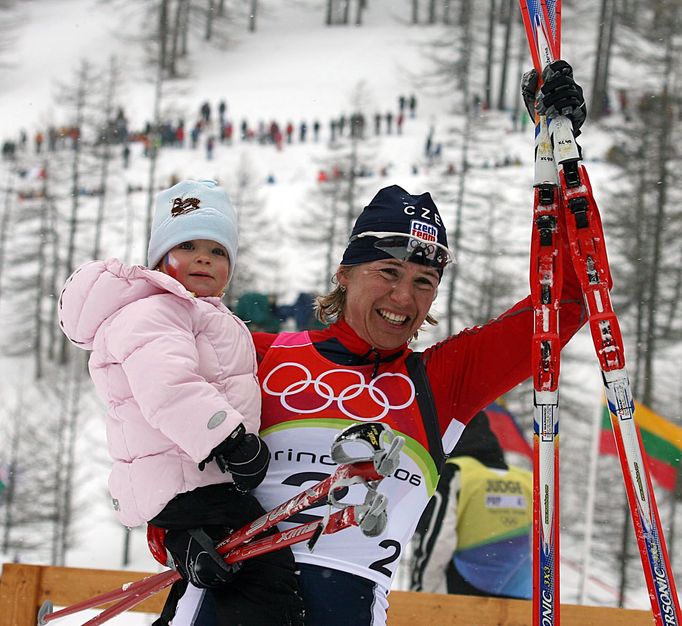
292, 68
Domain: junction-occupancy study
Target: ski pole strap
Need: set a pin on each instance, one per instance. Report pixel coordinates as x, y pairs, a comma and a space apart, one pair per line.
372, 514
373, 441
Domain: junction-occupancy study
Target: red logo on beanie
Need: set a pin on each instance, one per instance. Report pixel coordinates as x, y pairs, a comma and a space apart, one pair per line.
184, 205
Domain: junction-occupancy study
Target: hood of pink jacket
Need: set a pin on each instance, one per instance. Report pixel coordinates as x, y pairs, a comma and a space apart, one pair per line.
98, 289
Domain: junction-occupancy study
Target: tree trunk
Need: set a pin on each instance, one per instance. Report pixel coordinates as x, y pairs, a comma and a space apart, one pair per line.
432, 12
79, 368
508, 27
350, 193
362, 4
641, 276
175, 39
53, 265
466, 42
154, 147
105, 157
210, 13
331, 239
346, 12
252, 16
185, 28
329, 13
601, 63
663, 176
446, 11
163, 30
491, 56
15, 446
81, 90
415, 11
4, 222
41, 277
59, 451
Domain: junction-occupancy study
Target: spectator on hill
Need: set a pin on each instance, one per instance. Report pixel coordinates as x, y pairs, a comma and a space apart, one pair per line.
413, 106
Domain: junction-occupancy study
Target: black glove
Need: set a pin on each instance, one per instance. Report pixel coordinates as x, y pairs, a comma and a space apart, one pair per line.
197, 560
244, 455
559, 94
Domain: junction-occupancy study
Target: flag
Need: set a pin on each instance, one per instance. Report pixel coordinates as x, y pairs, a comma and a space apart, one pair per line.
662, 442
507, 430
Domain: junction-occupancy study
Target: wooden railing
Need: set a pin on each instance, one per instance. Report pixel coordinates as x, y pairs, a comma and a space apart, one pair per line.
23, 589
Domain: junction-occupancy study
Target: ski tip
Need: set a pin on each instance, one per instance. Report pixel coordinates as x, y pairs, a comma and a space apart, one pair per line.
46, 608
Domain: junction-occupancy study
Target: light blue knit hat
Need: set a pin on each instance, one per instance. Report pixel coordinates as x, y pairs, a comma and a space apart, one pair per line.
193, 209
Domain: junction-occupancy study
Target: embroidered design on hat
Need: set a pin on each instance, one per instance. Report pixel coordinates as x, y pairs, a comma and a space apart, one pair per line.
184, 205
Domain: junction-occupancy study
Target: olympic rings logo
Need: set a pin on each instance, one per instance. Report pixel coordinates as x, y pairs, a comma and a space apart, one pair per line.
325, 391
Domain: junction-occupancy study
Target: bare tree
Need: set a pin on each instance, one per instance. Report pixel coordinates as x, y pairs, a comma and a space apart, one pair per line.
606, 27
210, 14
107, 134
78, 98
9, 200
432, 12
492, 18
253, 13
509, 21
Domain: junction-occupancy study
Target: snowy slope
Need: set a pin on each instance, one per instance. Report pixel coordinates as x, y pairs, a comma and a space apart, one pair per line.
292, 68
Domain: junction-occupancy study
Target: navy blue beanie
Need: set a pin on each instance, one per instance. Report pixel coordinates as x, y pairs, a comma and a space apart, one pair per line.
393, 210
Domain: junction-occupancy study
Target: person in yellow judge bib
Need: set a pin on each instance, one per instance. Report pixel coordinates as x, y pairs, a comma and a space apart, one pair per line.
474, 537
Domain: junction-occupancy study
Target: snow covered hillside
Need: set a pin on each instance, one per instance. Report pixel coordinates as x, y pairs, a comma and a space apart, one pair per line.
292, 69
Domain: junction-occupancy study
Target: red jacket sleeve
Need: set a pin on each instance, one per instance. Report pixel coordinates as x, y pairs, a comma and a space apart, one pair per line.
470, 370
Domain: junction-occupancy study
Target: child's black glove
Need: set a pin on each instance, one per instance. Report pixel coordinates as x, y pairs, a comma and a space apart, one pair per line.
195, 557
244, 455
559, 94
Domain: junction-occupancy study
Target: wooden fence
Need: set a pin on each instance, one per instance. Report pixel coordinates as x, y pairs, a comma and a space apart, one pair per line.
23, 589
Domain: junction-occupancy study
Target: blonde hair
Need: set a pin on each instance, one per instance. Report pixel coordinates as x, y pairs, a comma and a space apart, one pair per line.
329, 307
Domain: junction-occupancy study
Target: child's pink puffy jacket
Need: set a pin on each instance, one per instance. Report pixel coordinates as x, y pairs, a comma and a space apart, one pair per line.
178, 375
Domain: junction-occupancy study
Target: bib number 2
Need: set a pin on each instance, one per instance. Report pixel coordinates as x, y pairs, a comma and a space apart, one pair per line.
380, 564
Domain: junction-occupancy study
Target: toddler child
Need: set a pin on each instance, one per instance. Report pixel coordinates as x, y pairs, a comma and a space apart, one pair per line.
177, 371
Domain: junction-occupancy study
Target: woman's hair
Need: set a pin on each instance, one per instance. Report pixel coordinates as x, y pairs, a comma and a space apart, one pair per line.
329, 307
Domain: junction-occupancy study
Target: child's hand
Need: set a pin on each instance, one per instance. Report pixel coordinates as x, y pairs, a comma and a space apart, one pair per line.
195, 557
244, 455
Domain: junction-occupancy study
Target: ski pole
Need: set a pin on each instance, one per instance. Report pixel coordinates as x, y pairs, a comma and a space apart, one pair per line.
345, 518
131, 594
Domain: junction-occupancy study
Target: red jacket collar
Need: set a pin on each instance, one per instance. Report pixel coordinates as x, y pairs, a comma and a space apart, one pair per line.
342, 331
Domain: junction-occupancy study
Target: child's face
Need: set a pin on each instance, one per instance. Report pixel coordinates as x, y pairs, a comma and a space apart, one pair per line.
201, 266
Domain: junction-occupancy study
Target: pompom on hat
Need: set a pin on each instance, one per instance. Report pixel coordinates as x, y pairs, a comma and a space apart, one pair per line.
396, 224
193, 209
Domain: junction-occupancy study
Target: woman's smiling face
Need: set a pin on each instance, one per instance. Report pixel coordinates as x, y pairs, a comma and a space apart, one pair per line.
387, 301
